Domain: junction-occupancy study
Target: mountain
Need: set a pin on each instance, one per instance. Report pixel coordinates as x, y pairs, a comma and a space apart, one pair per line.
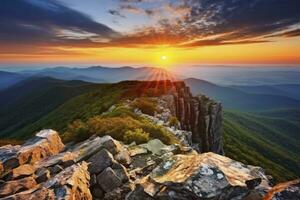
287, 90
28, 100
253, 138
8, 79
124, 141
234, 98
99, 74
268, 139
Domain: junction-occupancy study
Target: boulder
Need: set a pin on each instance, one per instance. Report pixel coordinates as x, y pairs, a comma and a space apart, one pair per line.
45, 143
71, 183
100, 161
206, 176
108, 180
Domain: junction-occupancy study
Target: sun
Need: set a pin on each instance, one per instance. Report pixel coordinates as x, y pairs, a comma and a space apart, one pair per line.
163, 57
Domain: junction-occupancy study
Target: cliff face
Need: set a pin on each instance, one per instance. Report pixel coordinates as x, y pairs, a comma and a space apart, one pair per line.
200, 115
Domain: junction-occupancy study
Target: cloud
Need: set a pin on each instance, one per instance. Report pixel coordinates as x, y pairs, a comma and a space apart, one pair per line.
47, 22
115, 13
242, 22
181, 23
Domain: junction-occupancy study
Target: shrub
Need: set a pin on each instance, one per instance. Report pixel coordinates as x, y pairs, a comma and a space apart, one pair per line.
117, 127
146, 105
137, 135
77, 131
158, 132
173, 121
113, 126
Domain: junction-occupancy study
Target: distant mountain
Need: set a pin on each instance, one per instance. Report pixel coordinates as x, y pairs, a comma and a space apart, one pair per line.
269, 139
99, 74
236, 98
8, 79
287, 90
27, 101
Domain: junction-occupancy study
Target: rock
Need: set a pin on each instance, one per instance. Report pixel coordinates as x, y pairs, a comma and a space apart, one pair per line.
55, 169
100, 161
87, 148
46, 143
121, 172
113, 146
200, 115
137, 150
71, 183
285, 191
12, 187
108, 180
205, 176
97, 192
21, 172
8, 157
123, 157
40, 194
64, 159
155, 146
119, 193
139, 194
42, 175
93, 180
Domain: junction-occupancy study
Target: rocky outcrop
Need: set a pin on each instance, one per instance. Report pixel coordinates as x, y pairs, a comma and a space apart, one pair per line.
198, 114
203, 176
103, 168
71, 183
46, 143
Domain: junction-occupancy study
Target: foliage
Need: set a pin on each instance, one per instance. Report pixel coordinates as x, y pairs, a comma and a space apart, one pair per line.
117, 128
137, 135
4, 142
271, 143
173, 121
146, 105
77, 131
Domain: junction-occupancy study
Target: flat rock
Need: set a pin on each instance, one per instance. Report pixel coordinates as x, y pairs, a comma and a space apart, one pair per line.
206, 176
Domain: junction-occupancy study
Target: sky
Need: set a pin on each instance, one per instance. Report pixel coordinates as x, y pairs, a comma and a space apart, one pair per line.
162, 33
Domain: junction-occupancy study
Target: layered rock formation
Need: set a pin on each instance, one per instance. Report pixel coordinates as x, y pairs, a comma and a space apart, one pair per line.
198, 114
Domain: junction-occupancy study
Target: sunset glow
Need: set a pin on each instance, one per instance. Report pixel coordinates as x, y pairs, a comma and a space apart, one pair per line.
161, 33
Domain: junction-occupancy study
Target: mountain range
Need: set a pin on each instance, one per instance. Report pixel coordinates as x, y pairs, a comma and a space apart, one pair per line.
261, 123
